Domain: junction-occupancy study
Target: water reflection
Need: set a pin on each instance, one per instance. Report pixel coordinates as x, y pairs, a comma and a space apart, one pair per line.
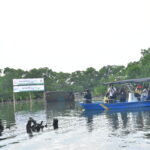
113, 120
124, 117
14, 118
75, 126
60, 110
7, 115
130, 119
55, 109
90, 123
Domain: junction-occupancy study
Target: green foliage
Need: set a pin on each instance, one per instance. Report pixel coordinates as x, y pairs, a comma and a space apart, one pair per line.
99, 90
133, 70
77, 81
145, 63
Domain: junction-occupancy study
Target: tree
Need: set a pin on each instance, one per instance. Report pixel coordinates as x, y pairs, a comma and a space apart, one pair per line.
145, 63
133, 70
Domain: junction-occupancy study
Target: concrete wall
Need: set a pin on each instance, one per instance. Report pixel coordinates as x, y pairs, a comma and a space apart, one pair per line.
59, 96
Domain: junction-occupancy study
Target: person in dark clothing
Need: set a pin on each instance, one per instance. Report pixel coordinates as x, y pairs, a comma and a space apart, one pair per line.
33, 126
39, 126
1, 127
148, 97
55, 123
88, 96
123, 95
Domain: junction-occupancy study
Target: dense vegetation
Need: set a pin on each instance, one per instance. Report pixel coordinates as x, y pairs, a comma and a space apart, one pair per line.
77, 81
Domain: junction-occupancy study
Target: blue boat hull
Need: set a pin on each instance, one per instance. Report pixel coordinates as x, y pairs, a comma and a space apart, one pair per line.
112, 106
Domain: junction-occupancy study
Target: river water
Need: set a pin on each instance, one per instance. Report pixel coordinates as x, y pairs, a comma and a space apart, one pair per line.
78, 129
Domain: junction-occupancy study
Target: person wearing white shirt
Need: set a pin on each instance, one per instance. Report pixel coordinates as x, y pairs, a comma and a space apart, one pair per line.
111, 92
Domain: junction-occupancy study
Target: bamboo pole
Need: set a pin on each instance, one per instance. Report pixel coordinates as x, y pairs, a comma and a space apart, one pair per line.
30, 97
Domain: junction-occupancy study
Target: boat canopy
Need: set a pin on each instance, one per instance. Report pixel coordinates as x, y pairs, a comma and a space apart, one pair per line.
129, 81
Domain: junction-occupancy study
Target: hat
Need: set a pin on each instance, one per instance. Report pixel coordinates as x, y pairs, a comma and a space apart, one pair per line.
139, 86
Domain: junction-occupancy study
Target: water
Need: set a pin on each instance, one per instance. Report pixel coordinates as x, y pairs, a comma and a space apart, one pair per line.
77, 129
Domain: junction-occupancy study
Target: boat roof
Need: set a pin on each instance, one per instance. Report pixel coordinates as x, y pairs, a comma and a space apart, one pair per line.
130, 81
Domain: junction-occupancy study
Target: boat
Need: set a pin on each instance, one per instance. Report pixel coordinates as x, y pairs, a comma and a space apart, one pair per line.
131, 103
92, 113
117, 105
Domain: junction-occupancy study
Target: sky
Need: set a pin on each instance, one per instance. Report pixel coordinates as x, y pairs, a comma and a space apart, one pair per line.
71, 35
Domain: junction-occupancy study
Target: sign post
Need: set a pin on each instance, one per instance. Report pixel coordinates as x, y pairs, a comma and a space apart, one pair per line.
14, 102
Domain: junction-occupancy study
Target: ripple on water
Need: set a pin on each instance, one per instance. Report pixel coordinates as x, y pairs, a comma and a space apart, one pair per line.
77, 129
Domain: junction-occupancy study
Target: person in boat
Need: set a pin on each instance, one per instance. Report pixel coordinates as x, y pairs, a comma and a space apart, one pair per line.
88, 96
148, 96
122, 94
111, 92
144, 94
106, 98
138, 92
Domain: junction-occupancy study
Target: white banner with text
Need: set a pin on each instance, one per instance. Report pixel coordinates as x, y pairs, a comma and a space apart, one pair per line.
31, 81
28, 88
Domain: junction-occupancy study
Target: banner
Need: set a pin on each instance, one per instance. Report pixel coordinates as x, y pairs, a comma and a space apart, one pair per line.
32, 81
28, 88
